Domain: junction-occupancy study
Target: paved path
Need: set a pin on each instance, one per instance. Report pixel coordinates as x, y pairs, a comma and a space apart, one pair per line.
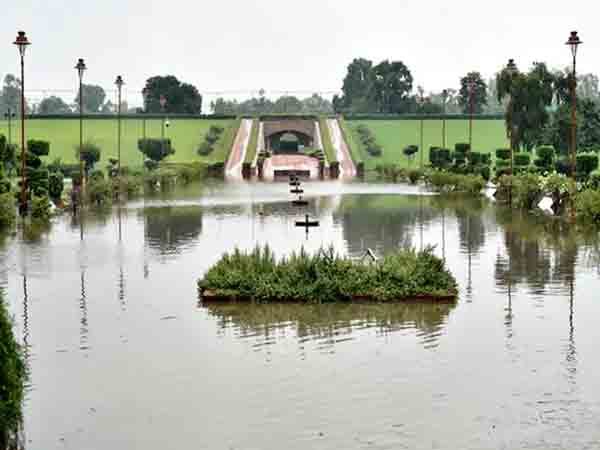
233, 169
347, 169
290, 162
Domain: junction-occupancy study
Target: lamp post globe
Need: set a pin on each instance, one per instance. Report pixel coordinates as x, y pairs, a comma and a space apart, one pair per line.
119, 83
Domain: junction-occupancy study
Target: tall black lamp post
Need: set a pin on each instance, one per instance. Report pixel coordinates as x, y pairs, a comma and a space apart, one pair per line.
511, 70
573, 43
22, 42
444, 100
80, 67
119, 83
471, 85
421, 101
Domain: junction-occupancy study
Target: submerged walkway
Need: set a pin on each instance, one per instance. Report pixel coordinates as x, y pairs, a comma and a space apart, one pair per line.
290, 162
233, 169
347, 168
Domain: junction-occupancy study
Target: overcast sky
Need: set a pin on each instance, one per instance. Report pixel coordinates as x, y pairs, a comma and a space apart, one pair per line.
281, 45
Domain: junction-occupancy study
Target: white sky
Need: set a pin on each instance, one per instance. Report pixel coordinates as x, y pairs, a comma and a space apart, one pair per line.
281, 45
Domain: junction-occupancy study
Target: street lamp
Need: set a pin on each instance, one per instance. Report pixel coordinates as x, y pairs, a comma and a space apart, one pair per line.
573, 43
471, 86
119, 83
80, 67
421, 101
22, 42
163, 103
444, 100
511, 70
9, 115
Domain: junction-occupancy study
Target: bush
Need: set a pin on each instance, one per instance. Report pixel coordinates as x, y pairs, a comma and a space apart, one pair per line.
38, 181
475, 158
546, 154
563, 166
410, 150
56, 185
38, 148
7, 211
586, 164
486, 159
485, 172
587, 205
459, 158
375, 150
527, 190
205, 148
462, 147
13, 374
522, 159
594, 180
155, 149
90, 153
414, 176
503, 153
99, 191
40, 207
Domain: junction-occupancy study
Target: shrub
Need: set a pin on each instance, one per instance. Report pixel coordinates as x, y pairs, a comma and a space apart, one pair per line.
527, 190
13, 374
485, 172
462, 147
38, 148
546, 154
563, 166
503, 153
586, 164
99, 191
90, 153
7, 211
56, 185
205, 148
414, 176
38, 181
375, 150
40, 207
475, 158
486, 159
587, 205
444, 157
594, 179
459, 158
155, 149
522, 159
410, 150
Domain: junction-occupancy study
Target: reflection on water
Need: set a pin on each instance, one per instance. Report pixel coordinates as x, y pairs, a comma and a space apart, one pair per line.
106, 307
330, 324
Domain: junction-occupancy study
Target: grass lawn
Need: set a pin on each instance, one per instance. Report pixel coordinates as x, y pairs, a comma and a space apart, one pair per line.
394, 135
63, 135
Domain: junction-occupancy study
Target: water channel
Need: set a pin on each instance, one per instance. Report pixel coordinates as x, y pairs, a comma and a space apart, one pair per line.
123, 356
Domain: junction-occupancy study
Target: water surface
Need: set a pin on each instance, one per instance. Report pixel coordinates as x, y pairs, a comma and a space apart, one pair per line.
122, 356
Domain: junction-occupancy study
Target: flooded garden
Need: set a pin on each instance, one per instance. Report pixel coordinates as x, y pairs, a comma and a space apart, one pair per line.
122, 353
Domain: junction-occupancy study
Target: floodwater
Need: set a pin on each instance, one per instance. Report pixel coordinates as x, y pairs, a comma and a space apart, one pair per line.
122, 356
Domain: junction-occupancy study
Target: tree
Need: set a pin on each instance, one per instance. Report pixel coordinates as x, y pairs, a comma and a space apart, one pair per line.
182, 98
557, 131
93, 98
357, 88
10, 97
530, 96
287, 104
479, 93
317, 105
392, 85
53, 105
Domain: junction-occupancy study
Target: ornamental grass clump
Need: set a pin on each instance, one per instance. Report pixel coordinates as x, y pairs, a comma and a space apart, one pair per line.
327, 277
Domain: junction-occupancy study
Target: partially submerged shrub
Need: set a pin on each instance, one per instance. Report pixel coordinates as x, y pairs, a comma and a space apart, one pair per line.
327, 277
7, 210
587, 205
40, 208
13, 374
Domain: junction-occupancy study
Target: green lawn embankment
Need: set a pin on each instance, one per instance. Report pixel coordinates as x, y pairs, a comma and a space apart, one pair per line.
395, 135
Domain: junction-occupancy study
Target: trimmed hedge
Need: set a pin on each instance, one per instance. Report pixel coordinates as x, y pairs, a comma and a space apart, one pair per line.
522, 159
503, 153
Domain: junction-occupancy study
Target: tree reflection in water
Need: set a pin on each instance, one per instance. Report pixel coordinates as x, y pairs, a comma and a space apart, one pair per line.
168, 229
330, 324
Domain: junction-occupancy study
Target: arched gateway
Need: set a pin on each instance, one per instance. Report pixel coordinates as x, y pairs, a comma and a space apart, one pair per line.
288, 135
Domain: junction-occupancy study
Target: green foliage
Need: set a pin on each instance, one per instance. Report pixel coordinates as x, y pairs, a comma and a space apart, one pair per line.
391, 172
40, 207
99, 191
462, 147
7, 210
546, 154
594, 180
155, 149
55, 185
414, 175
478, 95
522, 159
90, 153
38, 181
368, 141
327, 277
445, 181
181, 97
210, 139
586, 164
527, 190
410, 150
587, 205
503, 153
38, 147
13, 374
